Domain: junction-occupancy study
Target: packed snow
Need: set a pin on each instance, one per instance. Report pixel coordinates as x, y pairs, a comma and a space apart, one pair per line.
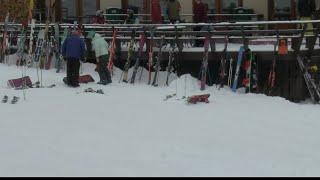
132, 131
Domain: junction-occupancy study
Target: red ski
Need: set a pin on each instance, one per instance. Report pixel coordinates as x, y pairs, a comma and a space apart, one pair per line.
112, 51
198, 98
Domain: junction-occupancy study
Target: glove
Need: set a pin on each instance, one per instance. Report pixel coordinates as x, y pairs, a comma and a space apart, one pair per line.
83, 59
63, 57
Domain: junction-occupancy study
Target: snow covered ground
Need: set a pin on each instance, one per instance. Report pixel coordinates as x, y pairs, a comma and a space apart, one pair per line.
132, 131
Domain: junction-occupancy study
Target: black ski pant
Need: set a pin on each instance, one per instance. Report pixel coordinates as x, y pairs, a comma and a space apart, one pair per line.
103, 71
73, 68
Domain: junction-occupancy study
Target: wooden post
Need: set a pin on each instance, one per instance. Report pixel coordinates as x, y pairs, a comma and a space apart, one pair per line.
98, 4
58, 10
124, 5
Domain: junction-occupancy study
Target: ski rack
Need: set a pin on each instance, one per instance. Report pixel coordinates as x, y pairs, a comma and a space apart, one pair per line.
106, 15
241, 30
313, 89
220, 24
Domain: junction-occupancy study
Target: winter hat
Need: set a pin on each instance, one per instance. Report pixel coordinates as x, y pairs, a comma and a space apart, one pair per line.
91, 34
99, 13
76, 31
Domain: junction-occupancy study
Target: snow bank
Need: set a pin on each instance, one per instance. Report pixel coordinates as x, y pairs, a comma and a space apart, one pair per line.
132, 131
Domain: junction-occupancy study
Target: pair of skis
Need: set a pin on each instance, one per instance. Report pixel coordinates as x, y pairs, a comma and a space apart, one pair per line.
158, 63
4, 44
150, 59
127, 65
313, 88
223, 64
173, 45
204, 66
57, 47
250, 81
137, 64
170, 65
138, 60
112, 50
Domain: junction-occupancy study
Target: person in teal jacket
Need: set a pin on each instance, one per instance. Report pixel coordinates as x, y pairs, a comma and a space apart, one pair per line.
100, 47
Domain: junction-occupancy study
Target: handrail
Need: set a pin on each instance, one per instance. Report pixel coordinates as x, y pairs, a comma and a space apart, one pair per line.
219, 24
210, 15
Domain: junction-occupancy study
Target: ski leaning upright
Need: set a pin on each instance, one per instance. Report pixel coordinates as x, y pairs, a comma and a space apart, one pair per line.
33, 25
237, 73
112, 50
173, 46
57, 45
138, 60
247, 67
38, 52
158, 63
150, 59
4, 39
130, 54
204, 66
223, 62
313, 89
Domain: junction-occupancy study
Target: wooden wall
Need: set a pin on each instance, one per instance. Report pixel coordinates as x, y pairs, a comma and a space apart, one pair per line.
17, 8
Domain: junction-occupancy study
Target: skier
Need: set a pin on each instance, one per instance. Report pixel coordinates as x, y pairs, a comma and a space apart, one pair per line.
164, 10
73, 50
156, 12
306, 9
174, 8
98, 19
200, 12
99, 45
131, 19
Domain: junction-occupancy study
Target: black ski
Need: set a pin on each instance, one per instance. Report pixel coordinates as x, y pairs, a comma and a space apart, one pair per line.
128, 62
138, 60
158, 63
173, 45
223, 62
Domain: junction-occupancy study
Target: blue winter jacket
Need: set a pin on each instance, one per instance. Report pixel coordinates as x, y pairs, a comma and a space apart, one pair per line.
73, 47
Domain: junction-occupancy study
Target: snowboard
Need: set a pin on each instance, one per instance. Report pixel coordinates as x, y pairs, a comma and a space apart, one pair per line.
237, 73
84, 79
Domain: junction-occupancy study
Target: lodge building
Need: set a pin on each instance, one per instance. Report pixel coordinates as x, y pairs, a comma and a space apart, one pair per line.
64, 10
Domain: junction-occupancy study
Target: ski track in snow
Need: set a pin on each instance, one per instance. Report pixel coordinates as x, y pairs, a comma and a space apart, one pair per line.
132, 131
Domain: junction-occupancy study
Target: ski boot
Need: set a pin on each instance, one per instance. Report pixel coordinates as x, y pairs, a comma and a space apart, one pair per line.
89, 90
15, 100
100, 91
5, 99
36, 85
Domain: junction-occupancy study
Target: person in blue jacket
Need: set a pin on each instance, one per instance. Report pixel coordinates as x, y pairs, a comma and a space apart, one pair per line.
73, 51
